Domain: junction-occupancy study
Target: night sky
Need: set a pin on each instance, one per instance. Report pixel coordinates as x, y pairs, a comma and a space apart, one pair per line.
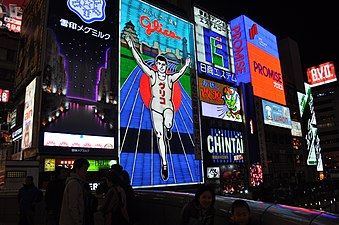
314, 25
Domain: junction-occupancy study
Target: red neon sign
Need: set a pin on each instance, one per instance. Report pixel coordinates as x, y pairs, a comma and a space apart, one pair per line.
321, 74
4, 95
155, 26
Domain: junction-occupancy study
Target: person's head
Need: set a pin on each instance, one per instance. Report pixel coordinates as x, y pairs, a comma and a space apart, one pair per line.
205, 196
80, 167
113, 178
29, 180
161, 63
240, 212
61, 172
116, 168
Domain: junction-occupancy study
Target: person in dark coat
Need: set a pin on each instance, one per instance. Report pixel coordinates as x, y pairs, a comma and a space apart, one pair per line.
115, 205
125, 183
28, 196
74, 203
54, 194
200, 210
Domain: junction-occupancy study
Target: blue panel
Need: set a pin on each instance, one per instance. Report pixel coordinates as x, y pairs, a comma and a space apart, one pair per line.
240, 53
260, 37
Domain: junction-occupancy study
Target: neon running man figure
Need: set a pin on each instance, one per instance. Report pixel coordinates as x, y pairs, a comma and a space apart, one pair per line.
161, 104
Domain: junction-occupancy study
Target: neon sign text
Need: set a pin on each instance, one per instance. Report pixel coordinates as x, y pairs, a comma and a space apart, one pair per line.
239, 59
267, 72
222, 144
86, 30
155, 26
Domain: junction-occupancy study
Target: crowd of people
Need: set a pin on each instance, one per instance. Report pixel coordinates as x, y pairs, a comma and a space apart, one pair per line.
70, 201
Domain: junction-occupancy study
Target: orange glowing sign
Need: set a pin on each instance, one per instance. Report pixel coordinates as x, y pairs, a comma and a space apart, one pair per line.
321, 74
266, 75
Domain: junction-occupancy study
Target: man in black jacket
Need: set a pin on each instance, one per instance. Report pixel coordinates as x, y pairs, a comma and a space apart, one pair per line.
53, 195
28, 196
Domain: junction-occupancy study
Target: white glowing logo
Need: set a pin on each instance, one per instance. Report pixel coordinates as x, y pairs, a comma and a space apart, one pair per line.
89, 11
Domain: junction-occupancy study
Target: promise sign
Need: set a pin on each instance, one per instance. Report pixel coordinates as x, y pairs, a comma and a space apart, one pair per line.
321, 74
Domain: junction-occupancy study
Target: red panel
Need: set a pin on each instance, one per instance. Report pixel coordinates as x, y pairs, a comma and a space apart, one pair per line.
266, 75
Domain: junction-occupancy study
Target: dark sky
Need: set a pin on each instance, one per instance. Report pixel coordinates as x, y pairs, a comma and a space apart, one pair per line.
314, 26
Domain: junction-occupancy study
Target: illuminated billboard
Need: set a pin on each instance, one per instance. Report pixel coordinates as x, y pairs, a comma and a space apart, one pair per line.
312, 139
79, 112
219, 101
321, 74
79, 48
94, 165
11, 14
256, 59
214, 47
76, 140
276, 115
296, 129
27, 127
4, 95
225, 145
157, 61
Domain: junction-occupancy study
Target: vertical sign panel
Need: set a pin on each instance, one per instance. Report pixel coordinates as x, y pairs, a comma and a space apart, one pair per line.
79, 101
28, 116
214, 47
312, 139
156, 122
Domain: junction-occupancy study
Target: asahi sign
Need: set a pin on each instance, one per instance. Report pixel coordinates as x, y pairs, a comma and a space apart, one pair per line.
321, 74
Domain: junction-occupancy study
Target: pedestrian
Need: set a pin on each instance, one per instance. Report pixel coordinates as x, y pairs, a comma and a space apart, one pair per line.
75, 201
200, 210
114, 207
28, 196
54, 194
240, 213
116, 168
130, 197
125, 183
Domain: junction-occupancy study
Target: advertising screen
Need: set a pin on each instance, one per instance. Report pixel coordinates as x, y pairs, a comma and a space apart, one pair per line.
4, 95
312, 139
256, 57
76, 140
11, 14
276, 115
225, 155
157, 61
94, 165
321, 74
27, 127
214, 47
219, 101
225, 145
223, 142
80, 90
296, 129
213, 172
